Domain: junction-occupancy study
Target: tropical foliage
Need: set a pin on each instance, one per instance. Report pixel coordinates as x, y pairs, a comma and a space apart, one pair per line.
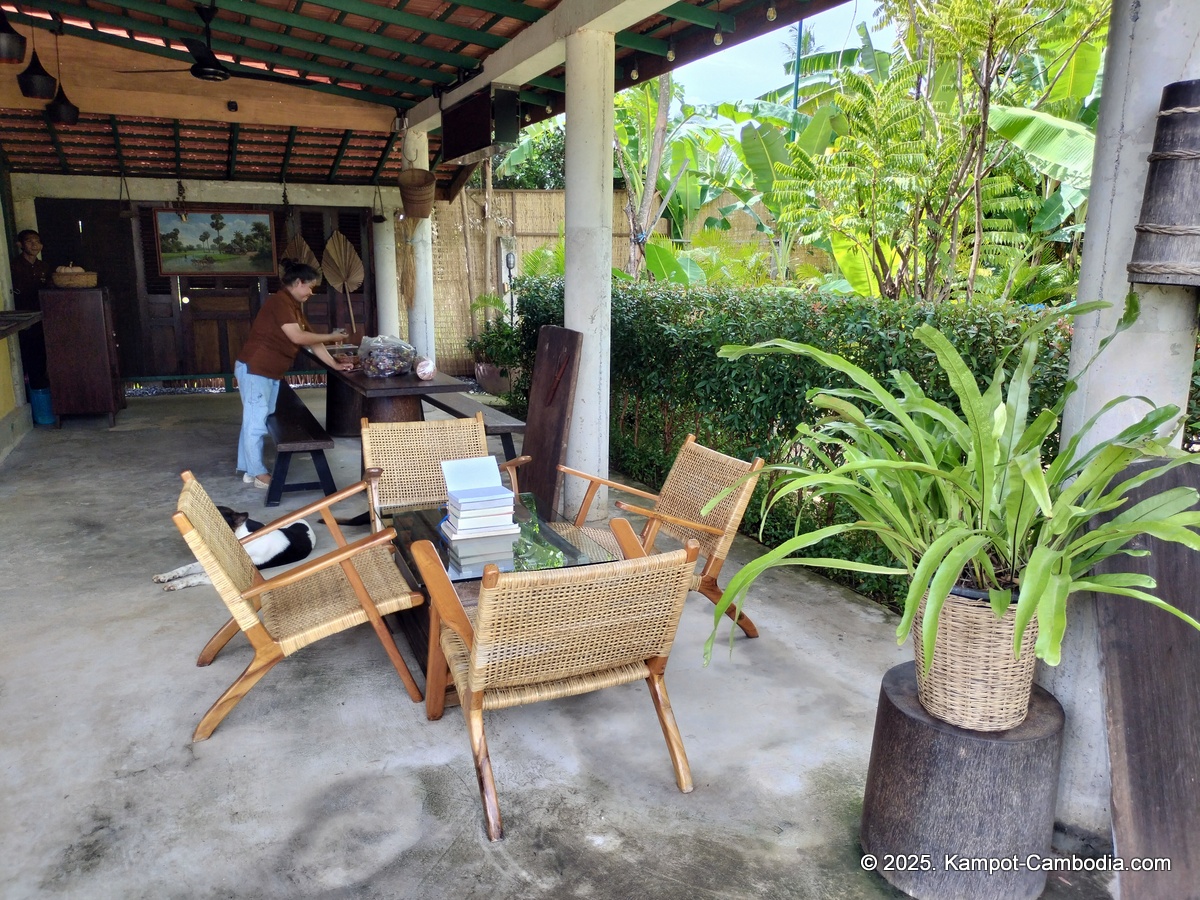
963, 494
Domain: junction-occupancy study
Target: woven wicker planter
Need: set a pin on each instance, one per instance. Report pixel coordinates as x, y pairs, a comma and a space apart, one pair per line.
974, 682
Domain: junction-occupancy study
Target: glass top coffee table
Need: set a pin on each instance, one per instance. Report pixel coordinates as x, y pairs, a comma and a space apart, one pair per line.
539, 545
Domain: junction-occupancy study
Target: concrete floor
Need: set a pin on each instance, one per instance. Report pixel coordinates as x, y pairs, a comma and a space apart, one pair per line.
326, 781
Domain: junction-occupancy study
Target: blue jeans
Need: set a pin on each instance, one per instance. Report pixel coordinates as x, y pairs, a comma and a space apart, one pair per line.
258, 401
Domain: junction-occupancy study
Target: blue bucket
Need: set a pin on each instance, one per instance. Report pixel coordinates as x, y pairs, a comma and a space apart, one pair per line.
43, 411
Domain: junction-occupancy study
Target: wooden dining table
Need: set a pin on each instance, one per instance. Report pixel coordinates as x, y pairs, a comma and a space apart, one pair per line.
396, 398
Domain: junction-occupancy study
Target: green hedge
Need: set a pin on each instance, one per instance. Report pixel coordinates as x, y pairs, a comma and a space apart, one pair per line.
667, 381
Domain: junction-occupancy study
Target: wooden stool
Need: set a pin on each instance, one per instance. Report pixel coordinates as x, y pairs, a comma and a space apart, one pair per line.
943, 805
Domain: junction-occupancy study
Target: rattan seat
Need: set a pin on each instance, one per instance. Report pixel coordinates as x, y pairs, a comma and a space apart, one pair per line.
351, 585
545, 635
410, 456
697, 475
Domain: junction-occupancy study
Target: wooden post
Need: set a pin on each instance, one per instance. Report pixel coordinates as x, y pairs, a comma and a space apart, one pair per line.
950, 813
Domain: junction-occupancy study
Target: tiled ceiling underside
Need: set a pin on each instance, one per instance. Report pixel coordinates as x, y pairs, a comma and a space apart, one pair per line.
389, 53
165, 148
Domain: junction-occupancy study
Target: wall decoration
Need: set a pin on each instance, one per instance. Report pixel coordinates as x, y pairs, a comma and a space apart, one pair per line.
214, 242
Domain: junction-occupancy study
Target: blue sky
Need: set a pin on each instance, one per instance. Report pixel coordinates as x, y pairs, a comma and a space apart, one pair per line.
755, 67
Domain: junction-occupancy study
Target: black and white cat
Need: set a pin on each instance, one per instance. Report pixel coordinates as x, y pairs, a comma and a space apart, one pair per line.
287, 545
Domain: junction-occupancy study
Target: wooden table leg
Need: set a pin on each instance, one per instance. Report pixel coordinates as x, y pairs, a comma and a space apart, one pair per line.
343, 408
394, 409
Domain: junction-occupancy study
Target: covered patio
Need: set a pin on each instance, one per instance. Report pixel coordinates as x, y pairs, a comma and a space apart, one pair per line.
327, 781
107, 796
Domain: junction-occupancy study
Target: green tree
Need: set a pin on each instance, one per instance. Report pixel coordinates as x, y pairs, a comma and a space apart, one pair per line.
538, 162
218, 225
927, 188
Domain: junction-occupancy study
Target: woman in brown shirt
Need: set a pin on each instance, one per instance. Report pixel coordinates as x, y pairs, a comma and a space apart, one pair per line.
279, 330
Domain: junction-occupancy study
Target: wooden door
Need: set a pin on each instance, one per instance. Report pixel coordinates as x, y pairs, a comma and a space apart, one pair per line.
215, 325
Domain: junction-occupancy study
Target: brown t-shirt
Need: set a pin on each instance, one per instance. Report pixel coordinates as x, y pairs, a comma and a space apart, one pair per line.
268, 351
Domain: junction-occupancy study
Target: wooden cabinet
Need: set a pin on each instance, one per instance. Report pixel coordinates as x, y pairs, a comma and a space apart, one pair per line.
81, 353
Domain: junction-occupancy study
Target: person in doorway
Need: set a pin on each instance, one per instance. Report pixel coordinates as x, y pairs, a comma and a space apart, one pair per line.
30, 275
279, 331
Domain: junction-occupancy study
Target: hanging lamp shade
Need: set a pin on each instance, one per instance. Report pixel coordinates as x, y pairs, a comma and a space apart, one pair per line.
36, 83
62, 111
12, 44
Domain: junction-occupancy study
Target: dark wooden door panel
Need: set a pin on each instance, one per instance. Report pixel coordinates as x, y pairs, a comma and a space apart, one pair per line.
1150, 664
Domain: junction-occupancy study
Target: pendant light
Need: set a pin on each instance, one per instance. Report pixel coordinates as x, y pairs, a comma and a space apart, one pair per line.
12, 44
60, 110
35, 82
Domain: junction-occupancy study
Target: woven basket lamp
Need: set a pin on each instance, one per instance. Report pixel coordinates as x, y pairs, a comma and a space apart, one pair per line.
1167, 247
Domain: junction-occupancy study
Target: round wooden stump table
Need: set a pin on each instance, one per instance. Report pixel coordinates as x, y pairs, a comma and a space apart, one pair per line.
950, 813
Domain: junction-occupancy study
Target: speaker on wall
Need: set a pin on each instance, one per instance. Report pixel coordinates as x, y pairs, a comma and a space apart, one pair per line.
480, 126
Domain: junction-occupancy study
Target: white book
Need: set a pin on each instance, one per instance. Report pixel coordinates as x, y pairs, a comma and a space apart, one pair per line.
453, 536
474, 511
474, 480
475, 523
479, 497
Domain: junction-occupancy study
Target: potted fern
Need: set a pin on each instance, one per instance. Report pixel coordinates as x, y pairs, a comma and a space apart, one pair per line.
967, 498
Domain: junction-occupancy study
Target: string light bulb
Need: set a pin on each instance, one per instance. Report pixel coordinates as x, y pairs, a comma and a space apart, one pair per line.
670, 52
549, 110
772, 12
633, 73
718, 38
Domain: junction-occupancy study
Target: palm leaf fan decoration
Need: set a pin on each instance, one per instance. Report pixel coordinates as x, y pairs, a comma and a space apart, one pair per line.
297, 250
343, 269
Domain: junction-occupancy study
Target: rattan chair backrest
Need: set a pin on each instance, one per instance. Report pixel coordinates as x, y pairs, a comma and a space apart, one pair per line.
411, 453
697, 475
213, 543
536, 627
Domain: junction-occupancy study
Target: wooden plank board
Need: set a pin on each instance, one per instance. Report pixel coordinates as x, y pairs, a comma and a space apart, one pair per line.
548, 421
1151, 664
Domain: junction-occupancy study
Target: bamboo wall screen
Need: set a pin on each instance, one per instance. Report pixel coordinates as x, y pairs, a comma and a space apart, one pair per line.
465, 252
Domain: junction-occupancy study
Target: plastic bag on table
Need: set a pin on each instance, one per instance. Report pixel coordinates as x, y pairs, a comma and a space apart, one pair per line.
385, 355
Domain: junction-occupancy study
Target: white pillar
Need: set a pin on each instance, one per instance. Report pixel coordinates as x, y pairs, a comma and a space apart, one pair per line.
421, 333
588, 292
1152, 43
387, 293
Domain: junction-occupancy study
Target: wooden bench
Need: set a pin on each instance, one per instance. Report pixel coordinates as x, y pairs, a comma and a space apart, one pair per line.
495, 422
296, 430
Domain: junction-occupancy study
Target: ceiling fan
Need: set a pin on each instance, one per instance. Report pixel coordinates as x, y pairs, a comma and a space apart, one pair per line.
207, 67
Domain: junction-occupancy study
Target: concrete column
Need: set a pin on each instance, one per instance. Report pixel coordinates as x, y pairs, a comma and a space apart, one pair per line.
387, 292
588, 293
421, 332
1152, 43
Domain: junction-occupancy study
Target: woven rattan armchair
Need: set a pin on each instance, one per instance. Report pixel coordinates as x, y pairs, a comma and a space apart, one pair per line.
696, 477
410, 455
353, 584
544, 635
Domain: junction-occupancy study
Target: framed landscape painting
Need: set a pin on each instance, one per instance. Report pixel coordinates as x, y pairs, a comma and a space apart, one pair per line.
214, 242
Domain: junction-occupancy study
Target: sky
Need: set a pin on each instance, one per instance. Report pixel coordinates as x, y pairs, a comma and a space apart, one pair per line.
751, 69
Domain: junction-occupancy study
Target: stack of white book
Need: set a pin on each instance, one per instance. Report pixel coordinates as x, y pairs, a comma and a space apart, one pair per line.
479, 526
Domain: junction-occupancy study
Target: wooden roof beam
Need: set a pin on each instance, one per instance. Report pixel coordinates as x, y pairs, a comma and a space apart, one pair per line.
538, 49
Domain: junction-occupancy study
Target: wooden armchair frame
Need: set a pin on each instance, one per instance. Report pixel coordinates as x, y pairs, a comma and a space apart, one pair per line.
696, 477
355, 583
493, 667
409, 456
